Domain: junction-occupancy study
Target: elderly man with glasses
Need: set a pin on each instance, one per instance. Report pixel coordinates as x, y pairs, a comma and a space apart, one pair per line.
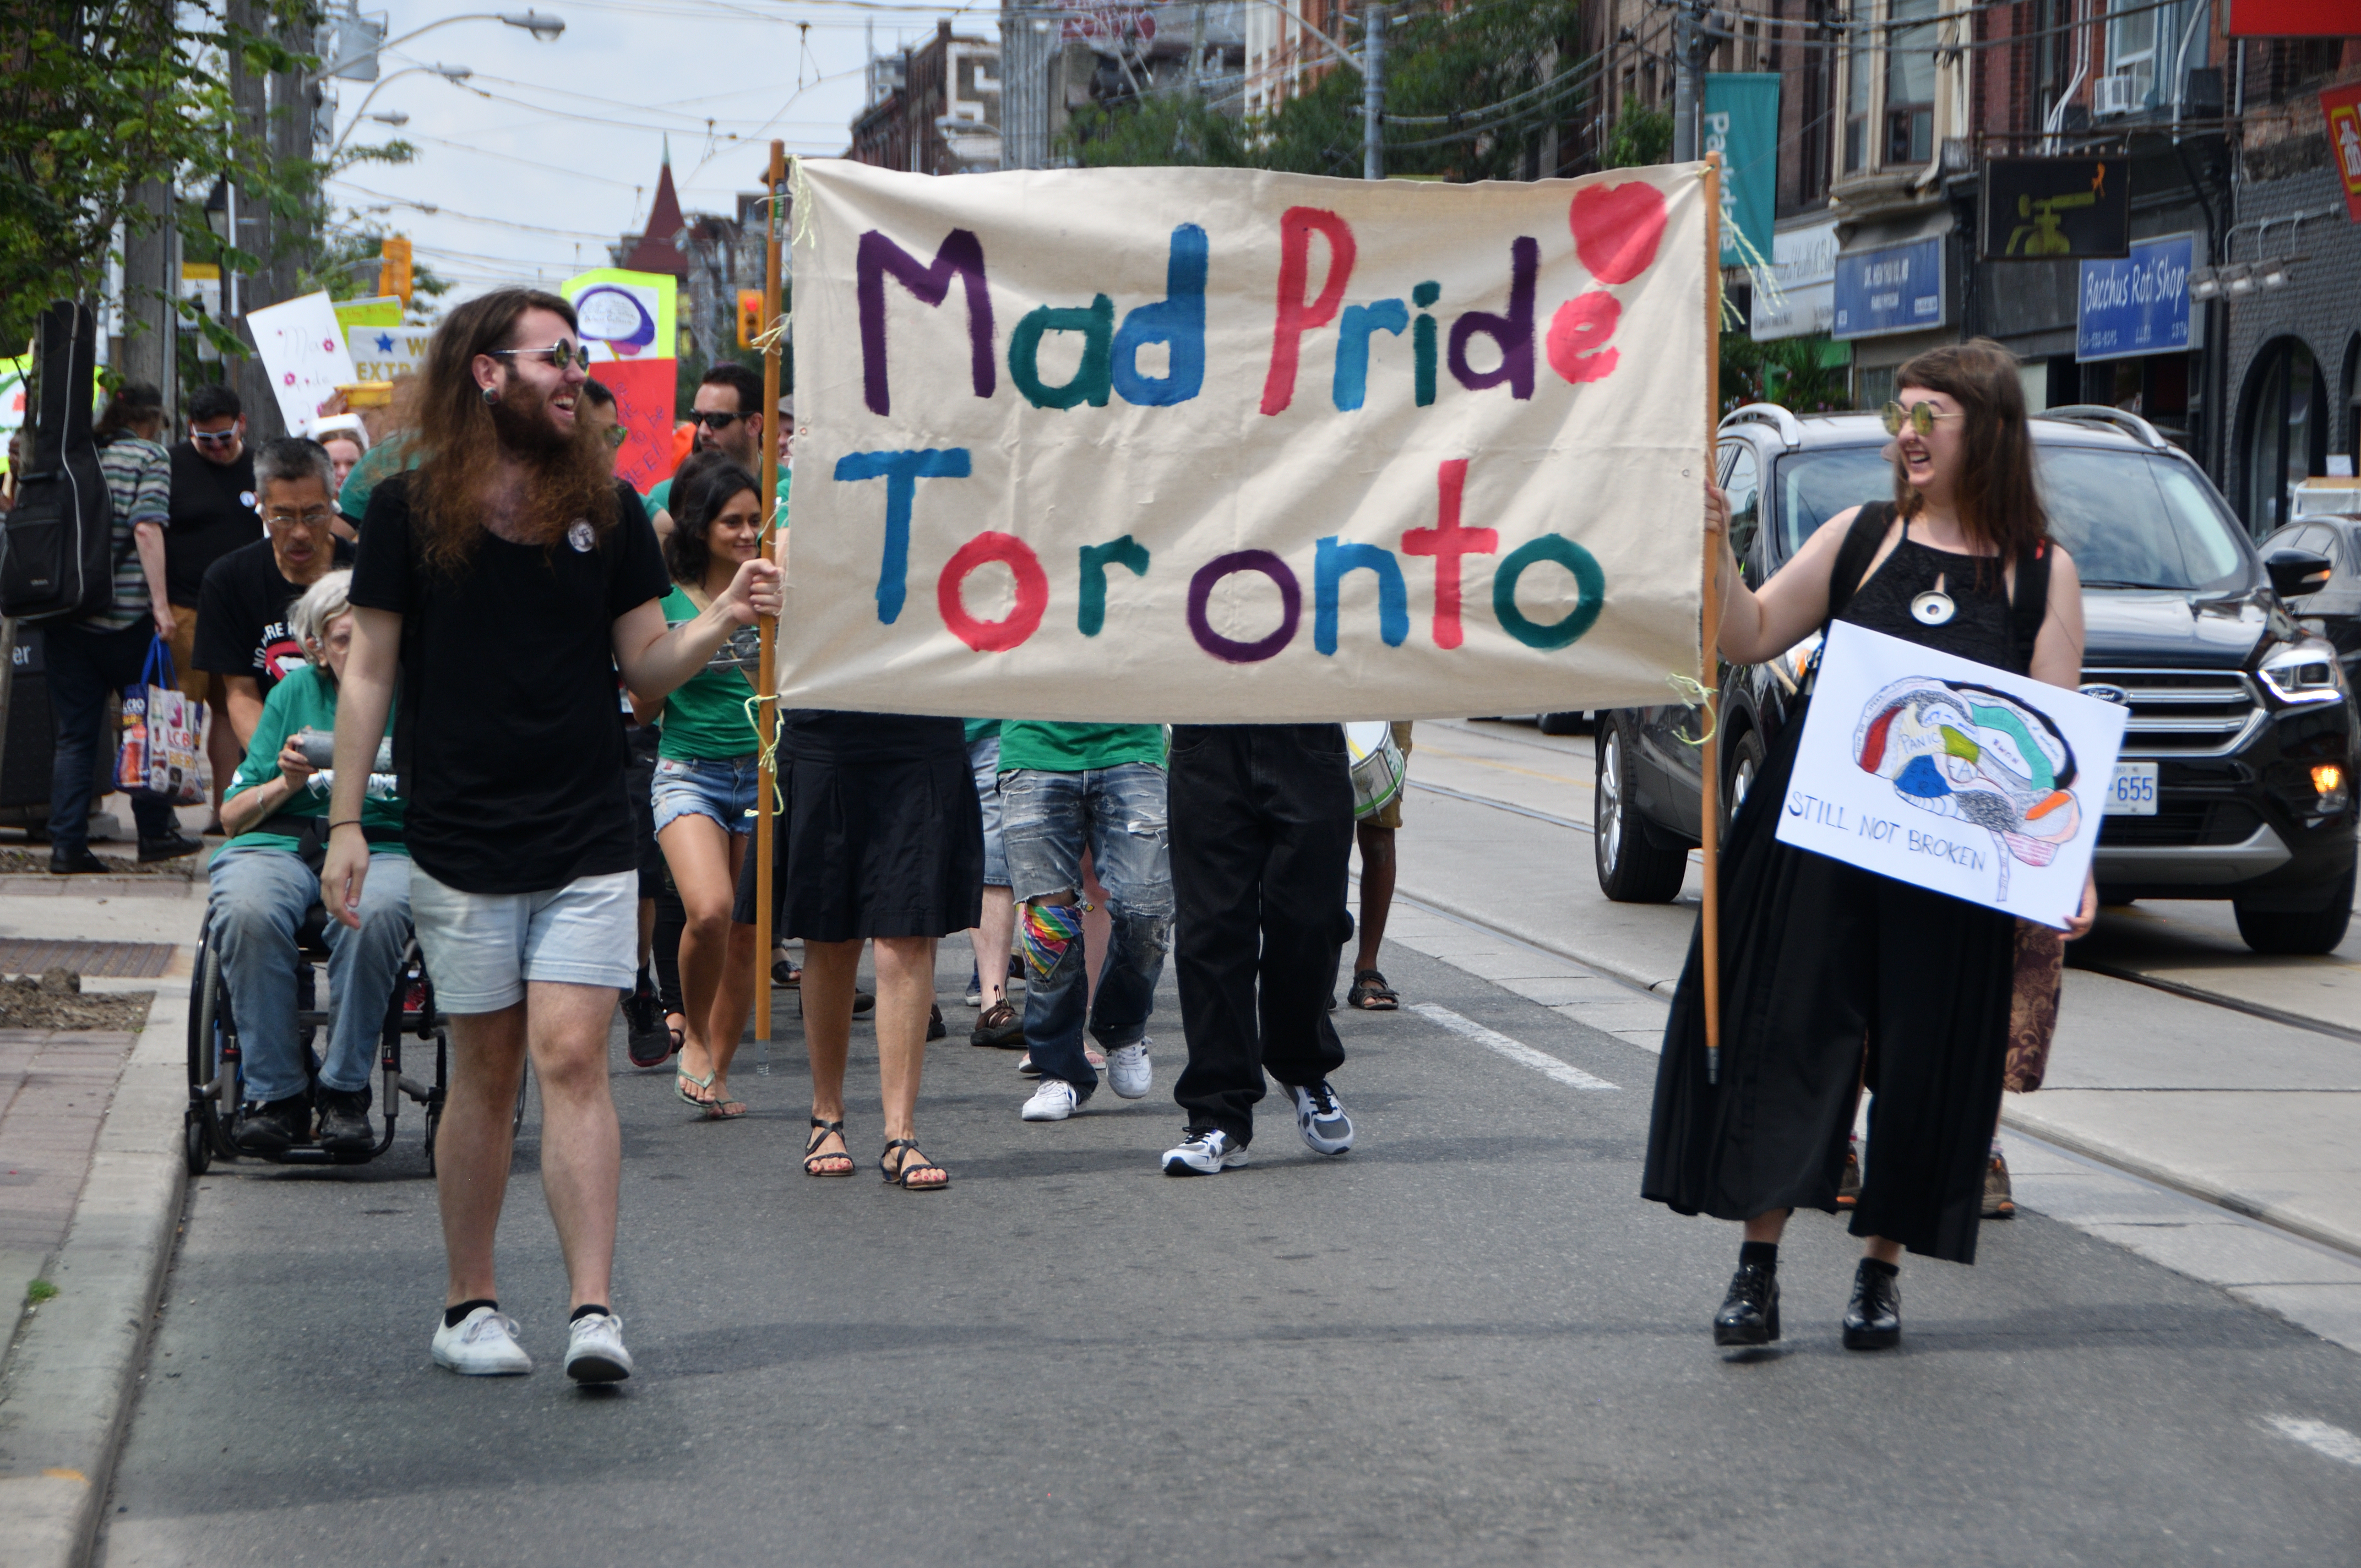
243, 640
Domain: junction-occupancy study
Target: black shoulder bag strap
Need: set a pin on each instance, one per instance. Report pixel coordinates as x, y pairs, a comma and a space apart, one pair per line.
2030, 603
1860, 548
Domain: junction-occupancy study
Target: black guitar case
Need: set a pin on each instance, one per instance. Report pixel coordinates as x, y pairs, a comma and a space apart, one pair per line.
57, 562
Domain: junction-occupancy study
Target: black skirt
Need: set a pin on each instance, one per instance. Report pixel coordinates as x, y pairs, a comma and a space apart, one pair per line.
885, 847
1832, 976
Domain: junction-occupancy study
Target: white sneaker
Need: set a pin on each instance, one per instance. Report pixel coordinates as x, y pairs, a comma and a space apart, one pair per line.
482, 1344
1053, 1102
595, 1353
1204, 1152
1129, 1072
1320, 1117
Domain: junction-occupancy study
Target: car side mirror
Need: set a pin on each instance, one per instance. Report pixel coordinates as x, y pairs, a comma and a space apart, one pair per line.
2295, 572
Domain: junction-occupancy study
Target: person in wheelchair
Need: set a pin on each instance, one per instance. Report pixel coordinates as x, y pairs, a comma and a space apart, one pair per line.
266, 883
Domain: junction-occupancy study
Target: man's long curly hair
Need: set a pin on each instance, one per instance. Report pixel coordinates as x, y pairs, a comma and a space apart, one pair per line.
460, 439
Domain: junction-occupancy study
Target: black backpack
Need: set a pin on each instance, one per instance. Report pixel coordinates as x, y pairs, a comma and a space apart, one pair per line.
56, 557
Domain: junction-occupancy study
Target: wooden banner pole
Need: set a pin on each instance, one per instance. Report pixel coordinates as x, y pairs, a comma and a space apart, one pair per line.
1708, 654
766, 684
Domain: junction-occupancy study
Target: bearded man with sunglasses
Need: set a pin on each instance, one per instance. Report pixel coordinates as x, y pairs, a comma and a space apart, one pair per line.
502, 582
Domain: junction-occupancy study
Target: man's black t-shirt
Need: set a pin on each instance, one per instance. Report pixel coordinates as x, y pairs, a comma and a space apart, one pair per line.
214, 513
509, 738
242, 616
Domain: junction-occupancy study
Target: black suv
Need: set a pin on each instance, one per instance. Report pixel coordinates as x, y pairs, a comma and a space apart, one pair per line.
2236, 775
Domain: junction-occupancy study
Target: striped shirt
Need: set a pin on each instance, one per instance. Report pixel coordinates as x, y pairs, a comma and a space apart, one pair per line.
139, 482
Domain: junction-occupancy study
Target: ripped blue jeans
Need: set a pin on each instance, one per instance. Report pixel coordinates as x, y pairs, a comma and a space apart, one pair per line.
1048, 821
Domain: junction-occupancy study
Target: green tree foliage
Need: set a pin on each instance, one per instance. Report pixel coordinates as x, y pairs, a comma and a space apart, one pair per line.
1641, 135
1448, 67
97, 96
1790, 371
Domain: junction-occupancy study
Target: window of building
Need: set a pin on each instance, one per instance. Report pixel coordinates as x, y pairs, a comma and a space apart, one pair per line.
2132, 43
1861, 57
1909, 121
2285, 438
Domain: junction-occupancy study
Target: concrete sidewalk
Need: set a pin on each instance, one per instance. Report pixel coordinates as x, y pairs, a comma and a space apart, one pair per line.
89, 1157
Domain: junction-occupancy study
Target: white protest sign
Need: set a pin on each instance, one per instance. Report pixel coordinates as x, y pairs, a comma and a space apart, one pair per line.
1207, 445
387, 353
303, 347
1952, 776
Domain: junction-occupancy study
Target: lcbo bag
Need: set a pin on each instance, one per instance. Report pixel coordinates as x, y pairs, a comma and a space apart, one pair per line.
163, 751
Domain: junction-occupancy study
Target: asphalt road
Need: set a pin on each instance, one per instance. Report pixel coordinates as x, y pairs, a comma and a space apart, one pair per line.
1466, 1342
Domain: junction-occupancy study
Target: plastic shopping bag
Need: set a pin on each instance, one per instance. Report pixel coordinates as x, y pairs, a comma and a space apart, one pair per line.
172, 743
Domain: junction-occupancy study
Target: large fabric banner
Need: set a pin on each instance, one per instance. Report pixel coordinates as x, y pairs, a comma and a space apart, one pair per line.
1216, 444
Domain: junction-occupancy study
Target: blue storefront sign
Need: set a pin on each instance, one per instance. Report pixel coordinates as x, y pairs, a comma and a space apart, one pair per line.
2138, 303
1898, 287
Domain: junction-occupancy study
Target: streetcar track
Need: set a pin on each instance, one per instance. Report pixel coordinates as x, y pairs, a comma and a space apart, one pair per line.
2093, 965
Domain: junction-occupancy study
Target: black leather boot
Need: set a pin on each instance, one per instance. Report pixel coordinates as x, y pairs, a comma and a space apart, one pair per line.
1750, 1313
1873, 1319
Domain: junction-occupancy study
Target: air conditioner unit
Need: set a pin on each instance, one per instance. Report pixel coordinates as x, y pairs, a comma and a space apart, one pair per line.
2117, 94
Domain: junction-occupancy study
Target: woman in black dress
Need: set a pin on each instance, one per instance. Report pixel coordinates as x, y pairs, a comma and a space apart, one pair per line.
880, 839
1823, 962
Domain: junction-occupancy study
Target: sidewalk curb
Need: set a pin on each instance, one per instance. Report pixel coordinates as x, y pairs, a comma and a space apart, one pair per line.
2022, 1113
68, 1382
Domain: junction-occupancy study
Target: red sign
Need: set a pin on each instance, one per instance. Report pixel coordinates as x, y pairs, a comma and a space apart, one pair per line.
2293, 19
643, 394
2341, 107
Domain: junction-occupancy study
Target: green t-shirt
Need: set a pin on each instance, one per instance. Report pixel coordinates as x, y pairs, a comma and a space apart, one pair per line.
705, 717
1077, 747
304, 700
379, 461
660, 494
982, 729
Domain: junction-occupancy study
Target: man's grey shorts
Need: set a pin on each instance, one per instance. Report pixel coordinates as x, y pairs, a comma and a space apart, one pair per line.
481, 948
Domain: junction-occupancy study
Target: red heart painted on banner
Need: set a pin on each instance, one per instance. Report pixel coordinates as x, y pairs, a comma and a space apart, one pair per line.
1616, 228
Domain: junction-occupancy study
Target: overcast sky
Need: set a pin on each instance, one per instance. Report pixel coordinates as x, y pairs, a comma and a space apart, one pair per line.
551, 149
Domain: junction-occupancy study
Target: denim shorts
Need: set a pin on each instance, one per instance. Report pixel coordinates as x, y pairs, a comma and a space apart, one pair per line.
725, 789
482, 947
983, 756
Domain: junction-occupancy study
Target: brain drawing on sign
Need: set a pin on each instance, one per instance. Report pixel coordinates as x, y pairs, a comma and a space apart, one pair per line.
1969, 753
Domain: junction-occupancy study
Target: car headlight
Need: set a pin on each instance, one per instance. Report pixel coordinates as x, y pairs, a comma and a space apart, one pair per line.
2305, 672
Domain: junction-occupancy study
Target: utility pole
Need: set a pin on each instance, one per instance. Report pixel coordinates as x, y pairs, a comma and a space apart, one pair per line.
249, 230
1691, 49
1025, 57
151, 275
1373, 89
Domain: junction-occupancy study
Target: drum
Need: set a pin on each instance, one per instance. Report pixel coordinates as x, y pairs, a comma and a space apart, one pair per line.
1377, 766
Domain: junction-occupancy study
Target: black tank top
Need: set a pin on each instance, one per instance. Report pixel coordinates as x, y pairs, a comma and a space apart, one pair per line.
1978, 628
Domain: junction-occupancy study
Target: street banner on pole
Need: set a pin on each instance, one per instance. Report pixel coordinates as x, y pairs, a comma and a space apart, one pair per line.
1133, 444
1952, 776
1741, 123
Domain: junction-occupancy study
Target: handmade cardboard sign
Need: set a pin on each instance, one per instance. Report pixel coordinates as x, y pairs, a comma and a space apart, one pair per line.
1203, 445
1951, 774
303, 350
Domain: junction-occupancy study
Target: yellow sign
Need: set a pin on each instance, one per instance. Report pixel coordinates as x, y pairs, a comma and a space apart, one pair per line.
393, 272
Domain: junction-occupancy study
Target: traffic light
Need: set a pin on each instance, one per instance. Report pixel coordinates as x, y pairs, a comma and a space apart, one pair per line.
393, 268
749, 316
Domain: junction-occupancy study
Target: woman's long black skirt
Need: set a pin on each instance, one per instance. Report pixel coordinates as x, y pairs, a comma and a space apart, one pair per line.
1830, 976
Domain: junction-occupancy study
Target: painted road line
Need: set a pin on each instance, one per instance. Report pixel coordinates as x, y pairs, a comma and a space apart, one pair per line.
2332, 1441
1516, 1051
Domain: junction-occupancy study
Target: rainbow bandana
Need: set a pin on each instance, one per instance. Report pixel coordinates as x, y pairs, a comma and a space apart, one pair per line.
1047, 931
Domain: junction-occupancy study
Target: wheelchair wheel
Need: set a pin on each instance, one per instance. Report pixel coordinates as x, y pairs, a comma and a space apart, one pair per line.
433, 1125
197, 1143
209, 1112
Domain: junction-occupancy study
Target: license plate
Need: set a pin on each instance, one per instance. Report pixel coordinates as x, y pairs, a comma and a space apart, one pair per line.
2132, 793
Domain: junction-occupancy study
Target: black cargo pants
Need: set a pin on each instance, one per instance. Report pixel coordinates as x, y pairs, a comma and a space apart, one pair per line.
1262, 834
